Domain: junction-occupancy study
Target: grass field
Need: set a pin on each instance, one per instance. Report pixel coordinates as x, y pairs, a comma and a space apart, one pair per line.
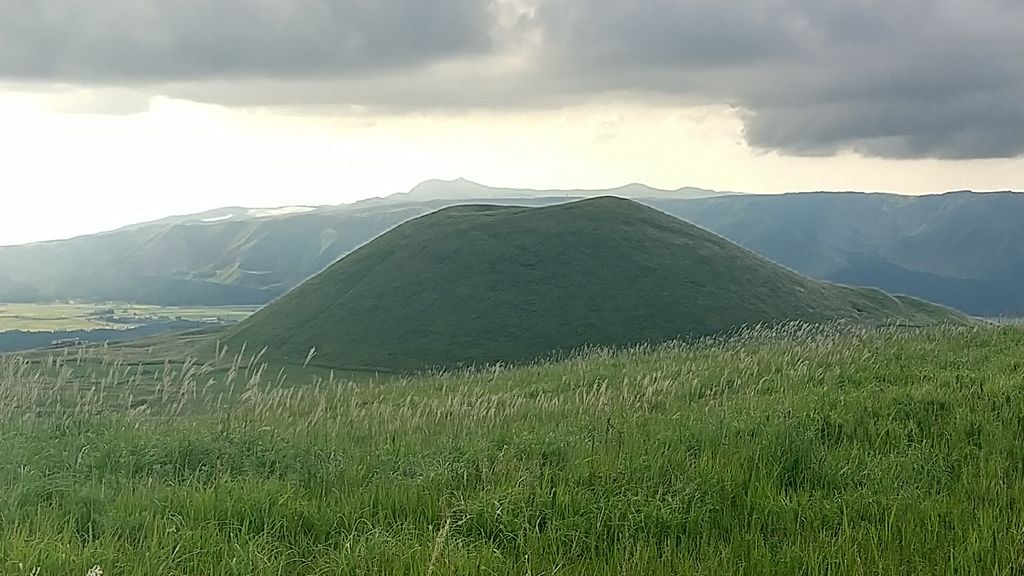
61, 317
796, 451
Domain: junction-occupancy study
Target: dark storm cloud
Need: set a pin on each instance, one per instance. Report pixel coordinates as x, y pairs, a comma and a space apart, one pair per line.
907, 78
913, 78
167, 40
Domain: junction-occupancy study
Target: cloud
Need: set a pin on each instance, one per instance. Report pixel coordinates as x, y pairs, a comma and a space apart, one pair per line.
915, 78
908, 79
168, 40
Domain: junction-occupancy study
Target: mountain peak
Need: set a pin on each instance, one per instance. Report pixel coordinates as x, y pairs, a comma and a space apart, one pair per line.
459, 186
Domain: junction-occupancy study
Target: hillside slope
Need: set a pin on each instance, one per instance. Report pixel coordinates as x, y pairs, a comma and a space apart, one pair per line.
203, 260
482, 284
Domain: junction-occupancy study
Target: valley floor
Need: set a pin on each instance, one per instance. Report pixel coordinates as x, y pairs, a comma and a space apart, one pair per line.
803, 450
34, 326
59, 317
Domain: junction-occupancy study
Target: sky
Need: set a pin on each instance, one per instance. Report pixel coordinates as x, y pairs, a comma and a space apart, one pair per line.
119, 111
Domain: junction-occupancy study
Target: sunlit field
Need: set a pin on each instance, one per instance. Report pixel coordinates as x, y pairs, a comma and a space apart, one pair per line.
796, 450
58, 317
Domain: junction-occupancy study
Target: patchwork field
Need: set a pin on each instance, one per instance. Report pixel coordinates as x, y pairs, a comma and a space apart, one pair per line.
64, 317
803, 450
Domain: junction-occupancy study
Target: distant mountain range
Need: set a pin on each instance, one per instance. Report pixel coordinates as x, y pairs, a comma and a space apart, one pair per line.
961, 249
479, 284
462, 189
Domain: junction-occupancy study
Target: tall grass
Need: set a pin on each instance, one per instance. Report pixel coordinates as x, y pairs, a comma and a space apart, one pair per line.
797, 449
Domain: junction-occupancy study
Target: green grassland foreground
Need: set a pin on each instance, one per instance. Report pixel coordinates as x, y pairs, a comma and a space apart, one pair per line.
796, 450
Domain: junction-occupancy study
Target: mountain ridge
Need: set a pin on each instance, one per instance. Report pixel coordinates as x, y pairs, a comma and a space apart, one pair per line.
461, 188
964, 247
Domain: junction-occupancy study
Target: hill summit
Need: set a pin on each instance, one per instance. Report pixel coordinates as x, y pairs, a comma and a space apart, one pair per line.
482, 284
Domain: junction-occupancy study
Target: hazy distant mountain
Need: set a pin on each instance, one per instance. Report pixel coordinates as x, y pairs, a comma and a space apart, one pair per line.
462, 189
229, 257
482, 284
961, 249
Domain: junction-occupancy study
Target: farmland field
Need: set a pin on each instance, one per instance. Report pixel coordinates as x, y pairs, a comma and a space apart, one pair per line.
801, 450
64, 317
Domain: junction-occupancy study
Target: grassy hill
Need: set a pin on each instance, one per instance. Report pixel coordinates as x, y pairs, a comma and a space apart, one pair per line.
483, 284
